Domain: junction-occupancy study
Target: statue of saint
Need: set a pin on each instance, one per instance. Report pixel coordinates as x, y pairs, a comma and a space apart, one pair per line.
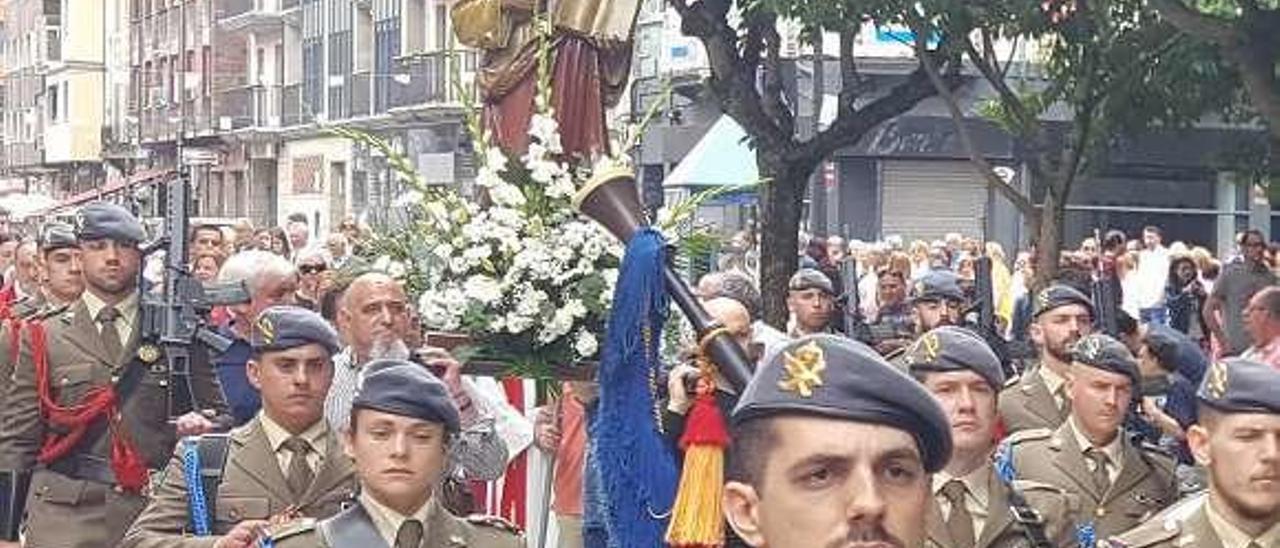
590, 58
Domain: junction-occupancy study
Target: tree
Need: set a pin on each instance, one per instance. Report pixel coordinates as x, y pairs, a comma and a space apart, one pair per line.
1113, 66
743, 50
1247, 32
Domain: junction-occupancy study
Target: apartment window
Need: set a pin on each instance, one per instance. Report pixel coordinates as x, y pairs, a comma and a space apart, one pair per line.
386, 47
260, 67
313, 70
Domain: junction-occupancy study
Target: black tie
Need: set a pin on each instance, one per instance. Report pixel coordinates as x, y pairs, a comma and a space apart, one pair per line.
110, 334
410, 534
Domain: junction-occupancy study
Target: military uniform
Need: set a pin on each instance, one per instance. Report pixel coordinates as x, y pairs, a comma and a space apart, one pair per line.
76, 498
253, 485
356, 527
32, 307
812, 278
1029, 401
940, 286
1234, 385
1143, 482
989, 500
405, 389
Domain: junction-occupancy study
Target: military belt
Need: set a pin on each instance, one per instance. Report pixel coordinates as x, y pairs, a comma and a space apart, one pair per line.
85, 467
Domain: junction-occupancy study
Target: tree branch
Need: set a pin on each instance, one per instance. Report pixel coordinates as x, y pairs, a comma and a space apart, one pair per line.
849, 85
774, 94
1197, 23
1257, 71
980, 163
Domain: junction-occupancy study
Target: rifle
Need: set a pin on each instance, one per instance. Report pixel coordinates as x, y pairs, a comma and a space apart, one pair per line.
985, 323
177, 319
855, 326
1104, 295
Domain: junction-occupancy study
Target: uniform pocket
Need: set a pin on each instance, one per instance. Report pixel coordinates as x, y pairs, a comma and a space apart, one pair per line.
71, 382
234, 510
56, 488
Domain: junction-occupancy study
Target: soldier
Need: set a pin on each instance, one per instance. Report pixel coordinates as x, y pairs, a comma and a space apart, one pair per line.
811, 301
286, 461
86, 410
936, 300
402, 422
61, 284
1120, 483
973, 506
832, 446
1061, 316
1238, 440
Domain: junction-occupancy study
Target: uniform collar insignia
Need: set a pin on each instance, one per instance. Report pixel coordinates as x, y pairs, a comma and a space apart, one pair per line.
804, 370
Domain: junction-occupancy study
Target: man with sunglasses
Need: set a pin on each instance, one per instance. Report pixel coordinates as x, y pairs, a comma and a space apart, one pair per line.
1231, 294
313, 279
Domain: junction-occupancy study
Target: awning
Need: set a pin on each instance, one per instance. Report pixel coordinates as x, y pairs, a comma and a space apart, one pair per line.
149, 176
720, 158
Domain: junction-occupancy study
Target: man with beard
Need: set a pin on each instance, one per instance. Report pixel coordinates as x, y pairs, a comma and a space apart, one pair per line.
936, 300
832, 447
1119, 482
107, 423
1238, 441
284, 463
1061, 316
973, 506
373, 317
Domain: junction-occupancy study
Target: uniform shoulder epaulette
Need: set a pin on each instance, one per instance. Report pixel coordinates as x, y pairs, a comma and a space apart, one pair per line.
1030, 434
494, 522
1012, 381
291, 529
50, 312
1148, 534
1025, 485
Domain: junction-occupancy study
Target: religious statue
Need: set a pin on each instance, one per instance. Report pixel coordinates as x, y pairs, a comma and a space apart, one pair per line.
590, 61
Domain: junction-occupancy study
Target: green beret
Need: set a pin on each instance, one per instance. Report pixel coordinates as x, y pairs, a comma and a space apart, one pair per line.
835, 377
1239, 385
1103, 352
950, 348
1059, 295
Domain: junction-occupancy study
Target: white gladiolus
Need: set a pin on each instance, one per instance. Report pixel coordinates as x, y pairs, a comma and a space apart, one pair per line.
483, 289
585, 344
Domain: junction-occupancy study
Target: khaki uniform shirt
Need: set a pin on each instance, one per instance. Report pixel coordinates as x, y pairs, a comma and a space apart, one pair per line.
356, 526
1203, 528
1030, 402
253, 486
1144, 481
988, 503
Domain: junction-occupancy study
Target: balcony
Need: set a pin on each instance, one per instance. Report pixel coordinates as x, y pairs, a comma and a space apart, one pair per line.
427, 79
249, 108
291, 105
250, 15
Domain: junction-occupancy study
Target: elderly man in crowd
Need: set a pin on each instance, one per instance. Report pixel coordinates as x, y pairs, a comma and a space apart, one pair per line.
1262, 322
272, 280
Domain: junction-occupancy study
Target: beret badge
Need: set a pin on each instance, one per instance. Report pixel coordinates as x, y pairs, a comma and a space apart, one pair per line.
804, 370
267, 330
1090, 348
1216, 383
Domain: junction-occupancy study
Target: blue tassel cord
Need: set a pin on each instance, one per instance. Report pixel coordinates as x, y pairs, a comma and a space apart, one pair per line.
635, 467
197, 505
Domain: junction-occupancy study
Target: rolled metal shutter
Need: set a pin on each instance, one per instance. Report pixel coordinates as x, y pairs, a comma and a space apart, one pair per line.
928, 199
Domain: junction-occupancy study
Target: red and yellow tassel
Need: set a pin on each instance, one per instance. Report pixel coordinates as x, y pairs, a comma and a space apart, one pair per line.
697, 519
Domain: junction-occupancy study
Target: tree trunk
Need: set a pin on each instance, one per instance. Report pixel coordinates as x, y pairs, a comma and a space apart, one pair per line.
781, 201
1049, 239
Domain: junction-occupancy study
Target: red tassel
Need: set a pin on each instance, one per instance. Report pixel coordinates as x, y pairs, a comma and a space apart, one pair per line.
696, 517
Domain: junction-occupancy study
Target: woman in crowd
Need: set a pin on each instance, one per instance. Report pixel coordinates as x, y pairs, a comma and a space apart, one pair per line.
1184, 295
